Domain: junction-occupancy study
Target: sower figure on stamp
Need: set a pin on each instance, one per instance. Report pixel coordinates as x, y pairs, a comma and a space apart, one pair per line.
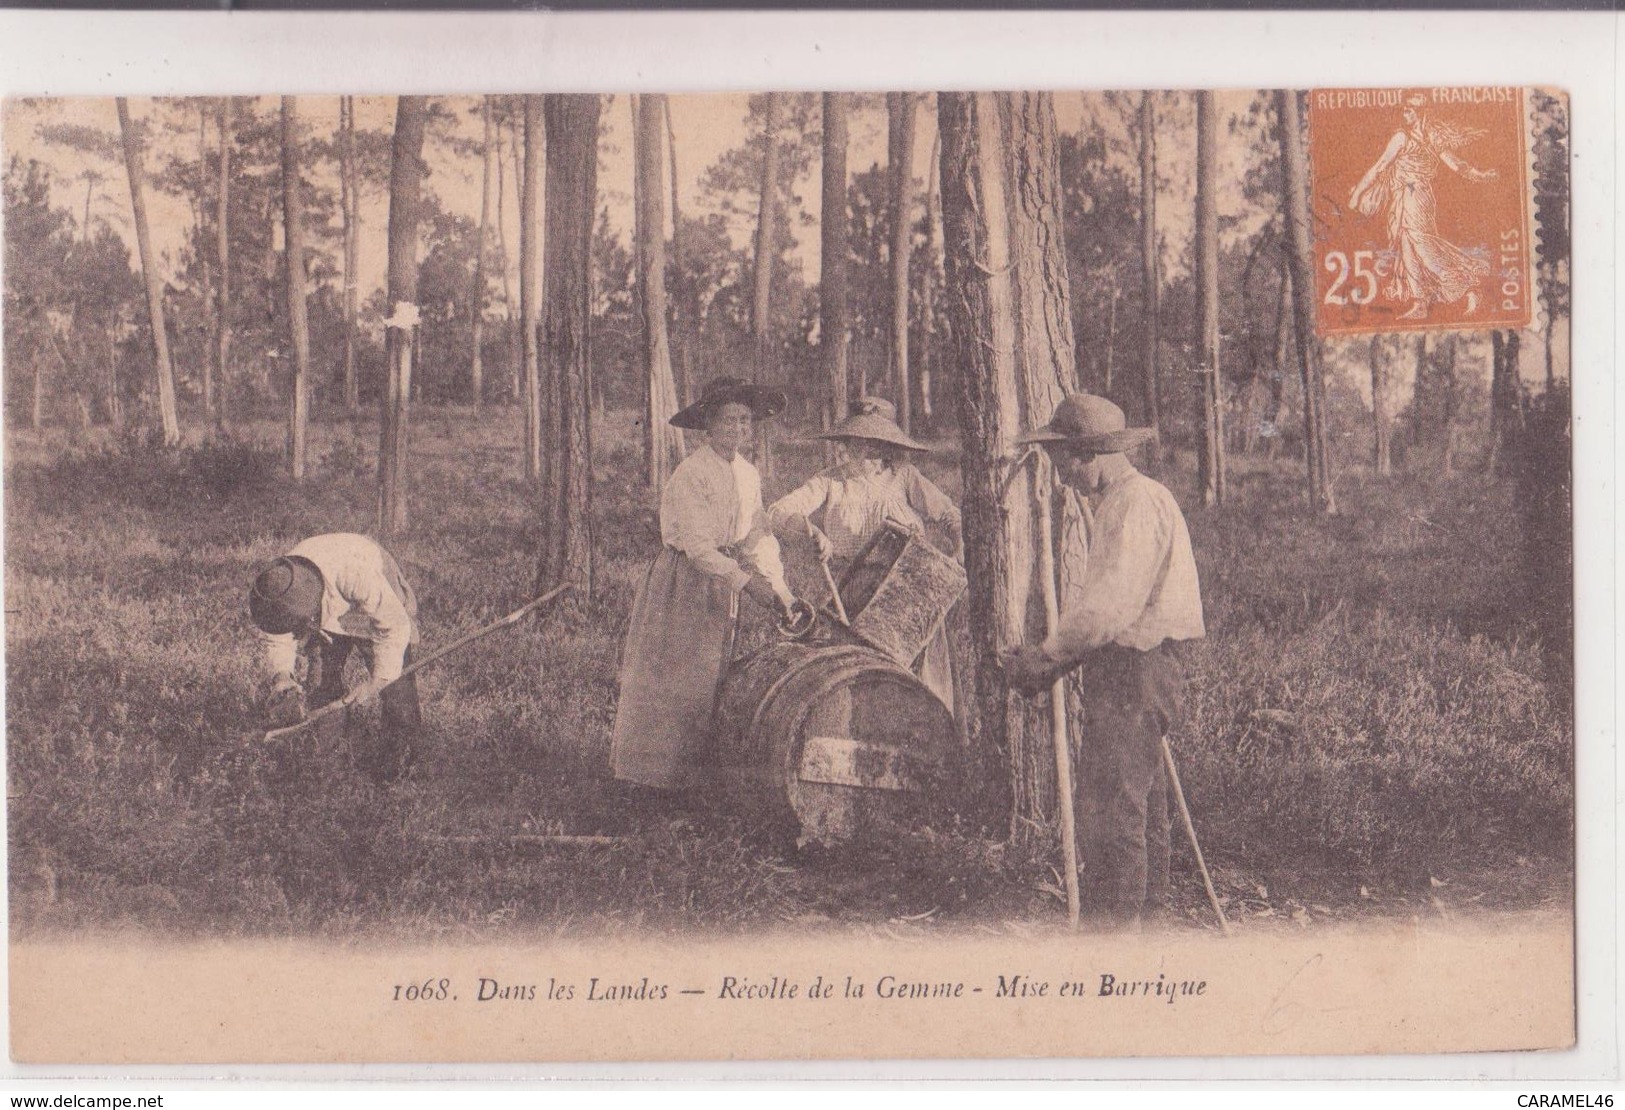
331, 595
1139, 593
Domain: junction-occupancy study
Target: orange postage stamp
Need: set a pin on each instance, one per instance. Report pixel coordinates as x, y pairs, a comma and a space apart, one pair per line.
1421, 209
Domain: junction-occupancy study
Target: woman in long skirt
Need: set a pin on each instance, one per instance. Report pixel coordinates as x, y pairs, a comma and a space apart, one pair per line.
716, 545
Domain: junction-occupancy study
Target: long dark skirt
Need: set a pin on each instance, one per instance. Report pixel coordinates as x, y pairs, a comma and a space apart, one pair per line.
680, 641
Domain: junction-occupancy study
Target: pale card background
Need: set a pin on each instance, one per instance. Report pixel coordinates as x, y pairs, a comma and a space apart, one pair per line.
84, 53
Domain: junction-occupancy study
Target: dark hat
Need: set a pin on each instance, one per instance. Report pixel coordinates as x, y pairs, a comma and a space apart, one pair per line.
876, 419
1090, 423
762, 402
286, 596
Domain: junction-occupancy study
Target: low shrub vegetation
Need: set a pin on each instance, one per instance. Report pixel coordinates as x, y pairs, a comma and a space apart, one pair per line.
1374, 715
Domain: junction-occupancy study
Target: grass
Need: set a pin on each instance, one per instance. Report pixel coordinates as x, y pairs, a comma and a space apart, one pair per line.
1372, 714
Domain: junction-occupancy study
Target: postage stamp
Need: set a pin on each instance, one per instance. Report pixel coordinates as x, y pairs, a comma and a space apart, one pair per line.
1421, 209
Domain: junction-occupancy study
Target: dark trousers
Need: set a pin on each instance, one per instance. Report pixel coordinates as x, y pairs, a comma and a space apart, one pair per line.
402, 716
1131, 699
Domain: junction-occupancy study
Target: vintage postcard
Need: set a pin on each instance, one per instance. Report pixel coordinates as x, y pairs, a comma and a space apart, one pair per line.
789, 575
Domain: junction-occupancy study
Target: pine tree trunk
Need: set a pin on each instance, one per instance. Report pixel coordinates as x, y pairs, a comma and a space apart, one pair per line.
529, 241
666, 446
1381, 414
998, 521
766, 246
1283, 352
293, 221
835, 323
900, 170
933, 277
572, 189
167, 414
1150, 284
686, 313
1046, 371
1210, 452
476, 312
1506, 408
405, 175
1295, 193
1445, 354
516, 356
222, 249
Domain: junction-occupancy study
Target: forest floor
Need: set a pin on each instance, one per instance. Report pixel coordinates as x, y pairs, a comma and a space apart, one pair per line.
1375, 728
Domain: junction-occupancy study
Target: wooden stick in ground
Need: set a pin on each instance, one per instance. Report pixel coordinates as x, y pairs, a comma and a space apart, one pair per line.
456, 645
1057, 703
1190, 832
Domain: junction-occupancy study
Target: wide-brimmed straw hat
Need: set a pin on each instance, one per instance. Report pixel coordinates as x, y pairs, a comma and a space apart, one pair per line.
874, 418
1089, 423
761, 401
286, 596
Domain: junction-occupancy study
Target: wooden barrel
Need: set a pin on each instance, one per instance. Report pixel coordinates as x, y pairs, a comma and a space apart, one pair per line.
836, 738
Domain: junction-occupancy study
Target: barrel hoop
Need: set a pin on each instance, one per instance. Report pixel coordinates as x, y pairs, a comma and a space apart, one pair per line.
790, 673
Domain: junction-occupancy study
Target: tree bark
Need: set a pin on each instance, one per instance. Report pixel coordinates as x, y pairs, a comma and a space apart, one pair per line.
933, 277
687, 313
900, 167
476, 360
349, 247
1210, 452
1046, 371
835, 321
293, 222
167, 414
516, 356
1381, 409
1506, 400
1445, 359
530, 190
998, 521
665, 444
215, 402
766, 247
572, 189
1295, 201
1151, 285
1283, 351
405, 178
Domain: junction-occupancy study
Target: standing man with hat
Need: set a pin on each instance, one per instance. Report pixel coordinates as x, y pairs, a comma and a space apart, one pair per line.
1139, 594
331, 595
716, 545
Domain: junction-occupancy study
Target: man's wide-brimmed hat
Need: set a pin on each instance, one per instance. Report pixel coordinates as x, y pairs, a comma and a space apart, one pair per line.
874, 418
1090, 423
761, 401
286, 596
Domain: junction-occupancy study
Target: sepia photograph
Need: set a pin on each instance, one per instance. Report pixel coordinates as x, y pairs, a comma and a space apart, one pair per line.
789, 575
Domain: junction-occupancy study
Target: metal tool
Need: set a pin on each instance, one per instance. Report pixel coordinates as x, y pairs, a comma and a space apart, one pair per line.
345, 702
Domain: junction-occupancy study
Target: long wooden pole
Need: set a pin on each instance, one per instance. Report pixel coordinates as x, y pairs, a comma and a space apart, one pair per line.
1057, 703
456, 645
1190, 832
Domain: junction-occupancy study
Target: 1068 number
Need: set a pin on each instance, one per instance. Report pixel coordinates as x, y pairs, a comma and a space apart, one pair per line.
430, 990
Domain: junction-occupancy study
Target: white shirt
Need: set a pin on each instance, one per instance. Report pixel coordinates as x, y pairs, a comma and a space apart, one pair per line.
1140, 586
358, 600
710, 503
